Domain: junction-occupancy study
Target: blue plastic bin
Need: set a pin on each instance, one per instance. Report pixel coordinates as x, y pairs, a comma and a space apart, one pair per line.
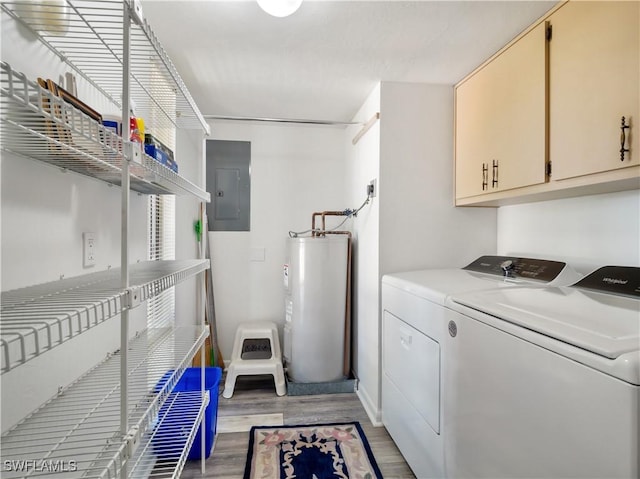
190, 381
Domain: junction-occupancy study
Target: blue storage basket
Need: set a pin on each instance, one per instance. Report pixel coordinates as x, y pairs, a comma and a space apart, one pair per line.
190, 381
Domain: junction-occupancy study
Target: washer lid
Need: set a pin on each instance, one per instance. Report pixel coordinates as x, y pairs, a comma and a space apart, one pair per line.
486, 272
437, 284
604, 324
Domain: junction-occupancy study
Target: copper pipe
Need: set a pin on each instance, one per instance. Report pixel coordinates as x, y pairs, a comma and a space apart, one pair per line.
330, 213
323, 214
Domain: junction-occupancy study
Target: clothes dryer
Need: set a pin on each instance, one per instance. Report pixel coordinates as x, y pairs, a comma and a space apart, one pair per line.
414, 327
544, 382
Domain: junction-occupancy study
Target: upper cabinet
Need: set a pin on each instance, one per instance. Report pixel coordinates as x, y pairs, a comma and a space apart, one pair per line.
594, 83
555, 113
501, 120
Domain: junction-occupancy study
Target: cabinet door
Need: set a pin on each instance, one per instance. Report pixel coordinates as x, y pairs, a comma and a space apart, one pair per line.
594, 82
472, 136
501, 120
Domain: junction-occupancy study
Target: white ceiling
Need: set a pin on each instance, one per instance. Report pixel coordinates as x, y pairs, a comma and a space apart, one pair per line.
322, 62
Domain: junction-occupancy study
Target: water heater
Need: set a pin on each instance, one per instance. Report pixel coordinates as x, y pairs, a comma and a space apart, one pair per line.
315, 281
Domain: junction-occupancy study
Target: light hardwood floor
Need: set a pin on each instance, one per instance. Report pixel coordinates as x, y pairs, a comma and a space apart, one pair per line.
255, 402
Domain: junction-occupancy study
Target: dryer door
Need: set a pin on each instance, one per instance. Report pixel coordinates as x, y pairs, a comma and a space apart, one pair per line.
411, 360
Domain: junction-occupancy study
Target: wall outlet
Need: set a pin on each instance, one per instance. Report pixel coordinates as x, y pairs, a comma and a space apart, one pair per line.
89, 249
372, 188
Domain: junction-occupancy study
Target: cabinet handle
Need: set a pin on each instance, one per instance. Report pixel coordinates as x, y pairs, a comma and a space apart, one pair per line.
623, 139
485, 176
494, 174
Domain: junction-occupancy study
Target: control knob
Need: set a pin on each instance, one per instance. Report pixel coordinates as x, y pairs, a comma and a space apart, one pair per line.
507, 267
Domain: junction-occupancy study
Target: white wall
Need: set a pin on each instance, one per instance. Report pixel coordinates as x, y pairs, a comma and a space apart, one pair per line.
295, 170
587, 232
363, 165
189, 302
420, 227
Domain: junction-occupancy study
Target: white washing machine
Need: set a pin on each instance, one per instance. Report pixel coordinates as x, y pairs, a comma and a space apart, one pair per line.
544, 382
414, 327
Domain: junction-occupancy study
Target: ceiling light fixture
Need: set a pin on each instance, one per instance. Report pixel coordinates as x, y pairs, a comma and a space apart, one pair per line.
280, 8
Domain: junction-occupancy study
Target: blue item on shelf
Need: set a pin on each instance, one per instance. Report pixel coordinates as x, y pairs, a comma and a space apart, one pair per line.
160, 156
114, 126
157, 154
149, 139
190, 381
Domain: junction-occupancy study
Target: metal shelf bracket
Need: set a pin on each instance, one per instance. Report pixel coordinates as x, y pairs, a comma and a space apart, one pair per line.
132, 440
132, 151
133, 297
136, 12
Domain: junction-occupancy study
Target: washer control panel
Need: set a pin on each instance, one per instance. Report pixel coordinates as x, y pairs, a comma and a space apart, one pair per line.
511, 267
621, 280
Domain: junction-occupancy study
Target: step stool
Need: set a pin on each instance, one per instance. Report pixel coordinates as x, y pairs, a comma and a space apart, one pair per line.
265, 330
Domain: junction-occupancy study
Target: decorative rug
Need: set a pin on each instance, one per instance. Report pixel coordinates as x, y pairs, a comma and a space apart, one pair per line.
318, 451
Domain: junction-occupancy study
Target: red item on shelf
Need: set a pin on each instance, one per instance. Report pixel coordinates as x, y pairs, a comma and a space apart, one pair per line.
135, 135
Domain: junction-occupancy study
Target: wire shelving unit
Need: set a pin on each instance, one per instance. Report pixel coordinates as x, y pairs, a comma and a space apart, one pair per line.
43, 127
121, 418
79, 428
35, 319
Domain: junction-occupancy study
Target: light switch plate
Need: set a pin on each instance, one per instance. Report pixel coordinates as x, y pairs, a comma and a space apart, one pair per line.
257, 254
89, 249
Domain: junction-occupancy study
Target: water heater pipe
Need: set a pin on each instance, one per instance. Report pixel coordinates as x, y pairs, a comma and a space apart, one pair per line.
323, 214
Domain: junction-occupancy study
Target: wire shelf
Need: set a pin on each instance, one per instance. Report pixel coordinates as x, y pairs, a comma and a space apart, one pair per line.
165, 447
78, 431
87, 35
35, 319
38, 125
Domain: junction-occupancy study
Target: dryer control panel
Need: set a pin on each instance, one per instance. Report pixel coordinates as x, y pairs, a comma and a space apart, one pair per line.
512, 267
